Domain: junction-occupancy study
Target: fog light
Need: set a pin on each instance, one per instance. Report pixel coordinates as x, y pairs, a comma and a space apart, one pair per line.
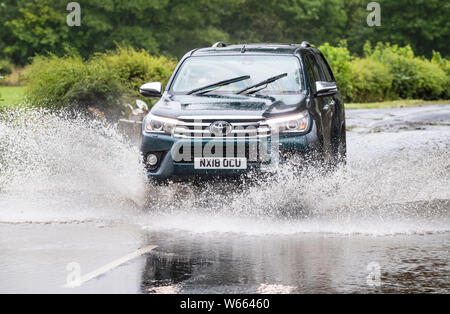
152, 160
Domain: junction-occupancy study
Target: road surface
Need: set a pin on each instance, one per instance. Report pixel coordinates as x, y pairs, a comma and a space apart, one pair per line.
73, 217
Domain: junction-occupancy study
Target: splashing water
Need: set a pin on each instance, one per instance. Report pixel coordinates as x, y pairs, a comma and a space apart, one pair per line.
403, 196
64, 167
56, 167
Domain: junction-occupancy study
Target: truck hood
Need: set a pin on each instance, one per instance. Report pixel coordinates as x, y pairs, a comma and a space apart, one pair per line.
176, 106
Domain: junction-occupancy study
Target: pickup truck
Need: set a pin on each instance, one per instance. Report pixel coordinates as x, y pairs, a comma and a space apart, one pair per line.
227, 110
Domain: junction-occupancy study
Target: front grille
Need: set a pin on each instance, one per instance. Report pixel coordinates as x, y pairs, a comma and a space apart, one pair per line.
241, 128
255, 152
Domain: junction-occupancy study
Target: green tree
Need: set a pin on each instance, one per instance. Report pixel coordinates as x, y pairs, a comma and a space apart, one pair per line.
9, 9
422, 24
172, 27
38, 28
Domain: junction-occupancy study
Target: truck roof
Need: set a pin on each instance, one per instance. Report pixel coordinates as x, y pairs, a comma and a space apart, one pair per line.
263, 48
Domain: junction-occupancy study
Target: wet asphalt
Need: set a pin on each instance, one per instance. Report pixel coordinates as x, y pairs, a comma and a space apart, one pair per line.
383, 240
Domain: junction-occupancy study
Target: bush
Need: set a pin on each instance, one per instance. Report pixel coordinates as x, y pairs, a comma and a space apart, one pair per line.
6, 67
70, 82
444, 64
340, 62
138, 67
104, 82
431, 80
371, 80
412, 77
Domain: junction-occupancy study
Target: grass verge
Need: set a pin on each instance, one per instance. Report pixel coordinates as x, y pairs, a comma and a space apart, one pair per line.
11, 95
397, 104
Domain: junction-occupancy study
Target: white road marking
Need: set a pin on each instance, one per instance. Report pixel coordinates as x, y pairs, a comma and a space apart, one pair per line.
108, 267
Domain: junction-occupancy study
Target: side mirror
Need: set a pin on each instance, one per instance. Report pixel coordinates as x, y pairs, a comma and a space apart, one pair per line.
325, 88
151, 90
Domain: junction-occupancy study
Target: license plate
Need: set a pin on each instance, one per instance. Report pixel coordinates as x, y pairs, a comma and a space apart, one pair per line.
220, 163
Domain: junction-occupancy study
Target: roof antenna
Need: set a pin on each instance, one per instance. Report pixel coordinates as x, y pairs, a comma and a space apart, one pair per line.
243, 49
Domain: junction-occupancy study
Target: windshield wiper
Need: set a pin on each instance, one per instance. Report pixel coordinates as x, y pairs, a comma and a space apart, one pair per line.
207, 88
265, 82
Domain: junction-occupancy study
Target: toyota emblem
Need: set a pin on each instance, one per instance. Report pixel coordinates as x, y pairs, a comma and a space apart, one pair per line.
220, 128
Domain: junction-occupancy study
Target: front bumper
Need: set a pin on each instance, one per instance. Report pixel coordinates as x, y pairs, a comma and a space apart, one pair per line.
169, 168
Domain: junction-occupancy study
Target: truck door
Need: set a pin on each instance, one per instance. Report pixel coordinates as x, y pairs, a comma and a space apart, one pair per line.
324, 105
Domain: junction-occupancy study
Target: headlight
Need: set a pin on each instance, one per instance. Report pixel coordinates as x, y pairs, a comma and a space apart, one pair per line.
156, 124
290, 124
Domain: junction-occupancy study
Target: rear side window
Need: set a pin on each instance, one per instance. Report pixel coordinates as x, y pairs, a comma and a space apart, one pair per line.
326, 71
312, 71
314, 67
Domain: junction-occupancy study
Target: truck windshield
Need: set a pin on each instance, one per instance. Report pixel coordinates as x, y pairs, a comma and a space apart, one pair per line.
197, 72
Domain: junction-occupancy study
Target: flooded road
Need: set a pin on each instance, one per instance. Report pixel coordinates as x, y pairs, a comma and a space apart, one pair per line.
73, 200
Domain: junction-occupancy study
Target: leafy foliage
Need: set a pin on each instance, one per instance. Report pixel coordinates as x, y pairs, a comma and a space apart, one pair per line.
413, 77
172, 27
421, 24
55, 82
371, 80
108, 80
444, 64
137, 67
39, 27
105, 82
6, 67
